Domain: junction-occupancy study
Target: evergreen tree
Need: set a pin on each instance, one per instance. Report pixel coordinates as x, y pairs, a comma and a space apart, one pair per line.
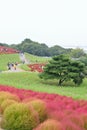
63, 69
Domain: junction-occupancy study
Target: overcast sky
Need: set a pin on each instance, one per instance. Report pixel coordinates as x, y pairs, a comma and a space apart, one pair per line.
53, 22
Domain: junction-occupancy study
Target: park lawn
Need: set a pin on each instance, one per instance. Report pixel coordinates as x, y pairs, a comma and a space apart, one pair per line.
5, 58
30, 80
36, 59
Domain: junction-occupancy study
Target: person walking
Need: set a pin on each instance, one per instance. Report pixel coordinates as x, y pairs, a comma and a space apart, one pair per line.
14, 66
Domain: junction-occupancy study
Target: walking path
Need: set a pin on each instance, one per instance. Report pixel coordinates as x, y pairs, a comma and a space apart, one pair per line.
23, 58
18, 69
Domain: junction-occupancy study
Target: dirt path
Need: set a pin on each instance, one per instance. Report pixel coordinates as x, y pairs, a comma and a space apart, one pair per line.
23, 58
18, 69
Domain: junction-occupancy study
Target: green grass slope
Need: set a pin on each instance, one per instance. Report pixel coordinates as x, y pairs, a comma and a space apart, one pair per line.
5, 58
30, 80
36, 59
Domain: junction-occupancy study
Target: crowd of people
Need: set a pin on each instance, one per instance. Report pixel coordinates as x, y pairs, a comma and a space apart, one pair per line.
12, 66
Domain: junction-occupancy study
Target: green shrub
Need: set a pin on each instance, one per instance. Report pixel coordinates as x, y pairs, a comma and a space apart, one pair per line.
50, 124
40, 107
7, 103
20, 117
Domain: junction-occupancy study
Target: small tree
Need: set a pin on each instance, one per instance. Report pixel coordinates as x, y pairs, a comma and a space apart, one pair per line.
63, 69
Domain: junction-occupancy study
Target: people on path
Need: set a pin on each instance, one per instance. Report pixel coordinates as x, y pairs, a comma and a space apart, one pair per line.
12, 66
9, 66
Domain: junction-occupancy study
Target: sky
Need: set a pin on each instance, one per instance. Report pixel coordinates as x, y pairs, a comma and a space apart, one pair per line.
53, 22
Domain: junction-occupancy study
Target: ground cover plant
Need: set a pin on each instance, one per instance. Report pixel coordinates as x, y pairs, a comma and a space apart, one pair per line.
62, 112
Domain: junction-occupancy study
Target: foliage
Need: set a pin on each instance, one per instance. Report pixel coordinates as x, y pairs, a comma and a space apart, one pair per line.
57, 50
70, 113
69, 125
83, 59
63, 69
76, 71
6, 103
7, 95
50, 124
20, 117
84, 117
35, 48
40, 107
77, 53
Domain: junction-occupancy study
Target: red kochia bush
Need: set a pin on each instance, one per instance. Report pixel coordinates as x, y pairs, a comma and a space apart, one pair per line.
84, 117
50, 125
40, 107
68, 125
57, 115
75, 119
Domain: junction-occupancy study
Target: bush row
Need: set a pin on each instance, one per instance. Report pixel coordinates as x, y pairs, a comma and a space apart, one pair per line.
29, 110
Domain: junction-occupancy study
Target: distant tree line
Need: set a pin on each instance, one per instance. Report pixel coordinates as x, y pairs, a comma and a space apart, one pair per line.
39, 49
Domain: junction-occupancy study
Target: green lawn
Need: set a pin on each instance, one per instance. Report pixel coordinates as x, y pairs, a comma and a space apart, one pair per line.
30, 80
5, 58
36, 59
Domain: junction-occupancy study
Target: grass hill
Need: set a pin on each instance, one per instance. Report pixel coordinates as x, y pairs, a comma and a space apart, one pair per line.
5, 58
12, 58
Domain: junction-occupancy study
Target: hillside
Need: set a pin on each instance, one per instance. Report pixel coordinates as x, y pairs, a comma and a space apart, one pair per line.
36, 48
39, 49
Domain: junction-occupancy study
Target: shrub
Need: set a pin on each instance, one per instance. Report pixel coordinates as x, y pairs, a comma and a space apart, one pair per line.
40, 107
20, 117
76, 119
50, 125
84, 117
56, 115
7, 103
68, 125
27, 100
7, 95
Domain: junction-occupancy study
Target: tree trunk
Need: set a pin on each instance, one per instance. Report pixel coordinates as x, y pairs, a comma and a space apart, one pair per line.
60, 82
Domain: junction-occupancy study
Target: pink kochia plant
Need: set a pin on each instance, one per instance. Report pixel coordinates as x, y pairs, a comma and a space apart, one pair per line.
72, 114
50, 124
